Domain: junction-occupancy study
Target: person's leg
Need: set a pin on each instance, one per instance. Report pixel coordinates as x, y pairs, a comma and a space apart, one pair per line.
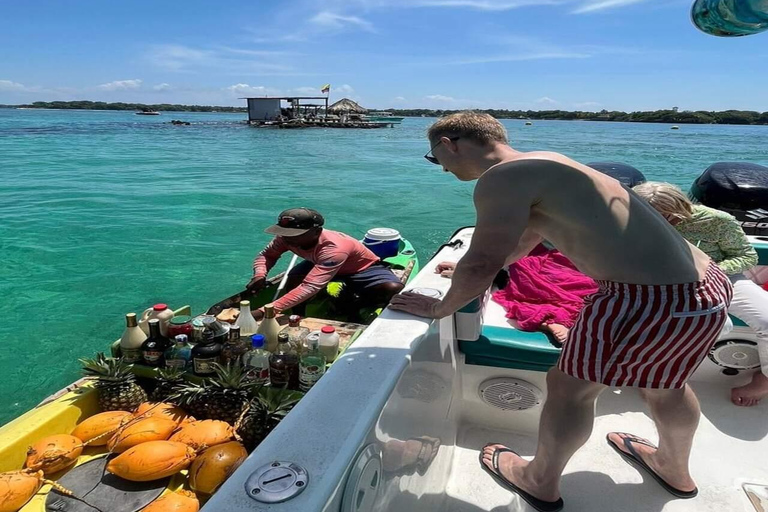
676, 414
565, 425
750, 304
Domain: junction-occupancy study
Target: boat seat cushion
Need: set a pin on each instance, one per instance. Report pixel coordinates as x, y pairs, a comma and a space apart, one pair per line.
505, 347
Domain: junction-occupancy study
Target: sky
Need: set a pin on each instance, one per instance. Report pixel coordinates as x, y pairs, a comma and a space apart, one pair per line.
440, 54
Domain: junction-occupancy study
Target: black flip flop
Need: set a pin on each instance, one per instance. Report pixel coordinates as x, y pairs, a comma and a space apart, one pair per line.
540, 505
634, 459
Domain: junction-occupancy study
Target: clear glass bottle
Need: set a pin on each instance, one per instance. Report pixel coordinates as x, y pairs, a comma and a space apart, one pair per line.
296, 333
256, 361
153, 348
233, 349
248, 325
329, 342
269, 328
284, 365
180, 354
132, 340
311, 366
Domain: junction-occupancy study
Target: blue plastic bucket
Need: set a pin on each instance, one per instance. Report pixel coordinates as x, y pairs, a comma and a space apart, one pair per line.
383, 242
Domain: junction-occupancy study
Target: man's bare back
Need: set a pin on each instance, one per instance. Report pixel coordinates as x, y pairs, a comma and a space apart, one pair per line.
606, 230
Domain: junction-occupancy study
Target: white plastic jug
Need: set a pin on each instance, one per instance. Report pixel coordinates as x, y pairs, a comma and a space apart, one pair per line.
160, 311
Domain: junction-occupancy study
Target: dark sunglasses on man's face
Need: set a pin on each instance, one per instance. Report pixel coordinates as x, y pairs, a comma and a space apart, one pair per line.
432, 159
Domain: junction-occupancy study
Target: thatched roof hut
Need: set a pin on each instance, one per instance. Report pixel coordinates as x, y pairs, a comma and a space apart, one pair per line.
346, 106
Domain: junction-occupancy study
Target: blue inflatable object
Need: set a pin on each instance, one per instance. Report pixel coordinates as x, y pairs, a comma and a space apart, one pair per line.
625, 174
730, 18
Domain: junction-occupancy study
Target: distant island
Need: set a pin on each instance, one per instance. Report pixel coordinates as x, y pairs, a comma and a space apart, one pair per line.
100, 105
673, 116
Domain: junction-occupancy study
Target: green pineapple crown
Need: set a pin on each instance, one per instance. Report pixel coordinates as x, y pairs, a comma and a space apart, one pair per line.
170, 374
108, 370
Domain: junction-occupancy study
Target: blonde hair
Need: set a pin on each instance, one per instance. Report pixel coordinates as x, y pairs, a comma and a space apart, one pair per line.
667, 199
481, 128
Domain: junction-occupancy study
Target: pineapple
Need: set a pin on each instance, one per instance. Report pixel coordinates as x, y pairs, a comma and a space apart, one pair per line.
223, 398
115, 382
264, 413
169, 382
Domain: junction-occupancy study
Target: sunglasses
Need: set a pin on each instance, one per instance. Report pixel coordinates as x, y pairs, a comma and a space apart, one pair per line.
431, 159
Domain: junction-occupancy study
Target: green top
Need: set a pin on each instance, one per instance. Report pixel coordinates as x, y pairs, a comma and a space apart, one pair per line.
720, 236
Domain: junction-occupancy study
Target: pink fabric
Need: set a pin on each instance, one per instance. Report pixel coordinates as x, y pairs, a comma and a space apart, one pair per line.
544, 287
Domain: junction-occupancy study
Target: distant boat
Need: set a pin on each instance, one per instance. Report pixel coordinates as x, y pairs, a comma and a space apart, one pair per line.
386, 117
528, 123
148, 112
675, 128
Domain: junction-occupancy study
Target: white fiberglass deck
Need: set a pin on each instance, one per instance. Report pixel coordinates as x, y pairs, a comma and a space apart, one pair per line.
730, 449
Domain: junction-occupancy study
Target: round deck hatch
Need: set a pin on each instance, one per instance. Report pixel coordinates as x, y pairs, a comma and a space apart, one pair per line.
276, 482
510, 394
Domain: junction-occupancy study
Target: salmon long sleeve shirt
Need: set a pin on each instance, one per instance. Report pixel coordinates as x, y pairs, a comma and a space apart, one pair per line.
334, 254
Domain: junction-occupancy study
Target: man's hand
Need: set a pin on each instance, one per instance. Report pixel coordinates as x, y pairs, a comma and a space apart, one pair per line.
416, 304
256, 284
258, 314
445, 269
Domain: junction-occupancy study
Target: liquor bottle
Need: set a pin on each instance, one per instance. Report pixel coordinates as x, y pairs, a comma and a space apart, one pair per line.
180, 354
248, 325
311, 366
132, 340
205, 354
153, 348
269, 328
296, 333
256, 361
284, 364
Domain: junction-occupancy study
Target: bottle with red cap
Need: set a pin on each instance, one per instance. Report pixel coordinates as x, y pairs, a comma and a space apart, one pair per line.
329, 342
160, 311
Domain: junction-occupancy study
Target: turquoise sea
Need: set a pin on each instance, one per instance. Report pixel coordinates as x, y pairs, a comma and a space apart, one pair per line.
103, 213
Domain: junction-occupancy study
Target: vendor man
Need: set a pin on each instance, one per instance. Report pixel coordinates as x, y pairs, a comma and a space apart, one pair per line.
328, 255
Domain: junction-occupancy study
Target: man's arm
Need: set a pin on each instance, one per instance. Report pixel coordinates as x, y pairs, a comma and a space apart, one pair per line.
503, 208
268, 257
321, 274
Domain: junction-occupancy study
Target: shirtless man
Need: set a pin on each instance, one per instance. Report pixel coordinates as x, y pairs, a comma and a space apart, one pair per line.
651, 334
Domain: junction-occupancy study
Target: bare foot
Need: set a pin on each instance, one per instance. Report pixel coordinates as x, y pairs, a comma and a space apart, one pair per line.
560, 332
752, 393
674, 478
512, 467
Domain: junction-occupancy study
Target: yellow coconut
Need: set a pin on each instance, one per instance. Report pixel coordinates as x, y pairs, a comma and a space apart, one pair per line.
160, 409
151, 460
17, 488
199, 434
54, 453
153, 428
180, 501
212, 467
99, 425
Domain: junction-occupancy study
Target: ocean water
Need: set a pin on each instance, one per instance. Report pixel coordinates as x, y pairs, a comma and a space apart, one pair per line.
103, 213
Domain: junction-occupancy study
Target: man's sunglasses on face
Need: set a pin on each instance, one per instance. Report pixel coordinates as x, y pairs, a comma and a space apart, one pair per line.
432, 159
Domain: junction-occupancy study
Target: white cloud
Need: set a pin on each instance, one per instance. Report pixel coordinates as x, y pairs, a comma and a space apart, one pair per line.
332, 21
174, 57
601, 5
120, 85
223, 59
482, 5
249, 90
546, 100
344, 89
162, 87
7, 85
441, 98
399, 99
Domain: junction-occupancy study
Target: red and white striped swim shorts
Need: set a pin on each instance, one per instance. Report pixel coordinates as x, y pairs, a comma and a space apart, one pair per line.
647, 336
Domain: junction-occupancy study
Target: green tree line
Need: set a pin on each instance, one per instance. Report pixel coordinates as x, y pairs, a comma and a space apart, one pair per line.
100, 105
656, 116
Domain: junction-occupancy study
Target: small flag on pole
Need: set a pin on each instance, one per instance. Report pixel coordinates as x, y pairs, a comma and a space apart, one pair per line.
326, 88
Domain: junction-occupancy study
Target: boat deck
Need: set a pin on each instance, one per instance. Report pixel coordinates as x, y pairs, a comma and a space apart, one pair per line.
728, 451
